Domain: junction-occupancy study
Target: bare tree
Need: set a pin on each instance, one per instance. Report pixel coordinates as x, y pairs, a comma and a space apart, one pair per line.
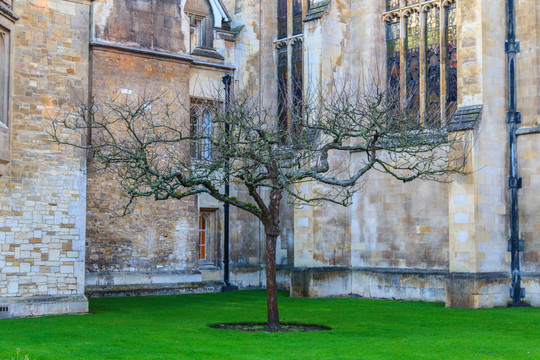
333, 138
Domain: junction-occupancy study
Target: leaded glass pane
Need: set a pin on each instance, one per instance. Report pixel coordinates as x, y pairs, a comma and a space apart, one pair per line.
282, 19
194, 133
392, 4
296, 82
393, 55
297, 17
282, 86
206, 134
433, 62
451, 45
413, 61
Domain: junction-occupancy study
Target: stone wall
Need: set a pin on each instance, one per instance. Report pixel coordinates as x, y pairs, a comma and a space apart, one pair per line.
159, 237
43, 191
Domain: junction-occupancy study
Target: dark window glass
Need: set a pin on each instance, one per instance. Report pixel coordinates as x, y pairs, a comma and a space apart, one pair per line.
282, 19
194, 133
413, 61
393, 53
206, 132
433, 63
451, 61
392, 4
297, 17
282, 86
296, 83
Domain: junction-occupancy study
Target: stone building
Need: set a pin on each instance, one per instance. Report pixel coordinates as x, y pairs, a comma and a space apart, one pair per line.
417, 241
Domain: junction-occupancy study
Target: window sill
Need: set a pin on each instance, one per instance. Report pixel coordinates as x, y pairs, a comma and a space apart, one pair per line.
207, 265
207, 52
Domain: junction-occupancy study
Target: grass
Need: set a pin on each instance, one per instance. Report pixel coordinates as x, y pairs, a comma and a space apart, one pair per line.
177, 327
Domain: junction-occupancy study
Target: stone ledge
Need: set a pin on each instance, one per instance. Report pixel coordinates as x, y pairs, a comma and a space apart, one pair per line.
42, 305
142, 277
153, 289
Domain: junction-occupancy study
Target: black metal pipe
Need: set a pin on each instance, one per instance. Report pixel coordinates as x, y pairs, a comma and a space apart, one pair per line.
227, 80
513, 117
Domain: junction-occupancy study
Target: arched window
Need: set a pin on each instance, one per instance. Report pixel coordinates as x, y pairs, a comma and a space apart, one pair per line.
206, 143
194, 133
203, 232
200, 131
421, 52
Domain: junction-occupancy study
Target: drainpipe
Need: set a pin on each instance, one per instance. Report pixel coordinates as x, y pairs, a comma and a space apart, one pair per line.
227, 80
513, 117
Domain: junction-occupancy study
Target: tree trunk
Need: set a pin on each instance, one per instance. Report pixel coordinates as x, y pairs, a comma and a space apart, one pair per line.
271, 282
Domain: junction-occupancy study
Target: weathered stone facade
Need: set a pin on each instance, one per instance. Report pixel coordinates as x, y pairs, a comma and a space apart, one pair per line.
420, 241
43, 188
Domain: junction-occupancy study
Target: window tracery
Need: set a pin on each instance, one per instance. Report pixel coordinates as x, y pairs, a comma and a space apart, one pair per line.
421, 50
200, 131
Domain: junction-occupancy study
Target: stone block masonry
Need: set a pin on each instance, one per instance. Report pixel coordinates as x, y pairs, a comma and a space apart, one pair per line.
42, 193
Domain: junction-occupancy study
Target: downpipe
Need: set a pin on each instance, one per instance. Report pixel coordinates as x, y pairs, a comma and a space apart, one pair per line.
513, 118
227, 80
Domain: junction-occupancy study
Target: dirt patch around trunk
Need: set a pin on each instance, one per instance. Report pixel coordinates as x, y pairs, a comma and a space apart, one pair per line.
263, 327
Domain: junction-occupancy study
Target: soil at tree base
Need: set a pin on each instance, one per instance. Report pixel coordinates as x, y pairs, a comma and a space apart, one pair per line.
263, 327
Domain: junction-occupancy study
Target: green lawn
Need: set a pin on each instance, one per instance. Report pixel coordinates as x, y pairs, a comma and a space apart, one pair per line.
176, 327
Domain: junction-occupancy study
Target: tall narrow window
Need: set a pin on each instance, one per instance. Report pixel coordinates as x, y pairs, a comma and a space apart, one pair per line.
392, 4
451, 61
282, 19
433, 62
413, 61
282, 70
200, 131
289, 62
421, 56
194, 132
203, 227
297, 17
206, 133
297, 85
393, 57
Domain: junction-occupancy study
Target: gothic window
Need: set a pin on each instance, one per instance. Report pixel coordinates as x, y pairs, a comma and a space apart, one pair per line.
206, 130
392, 55
433, 61
289, 61
194, 132
392, 4
200, 130
413, 61
297, 84
451, 58
297, 17
282, 86
421, 55
282, 19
